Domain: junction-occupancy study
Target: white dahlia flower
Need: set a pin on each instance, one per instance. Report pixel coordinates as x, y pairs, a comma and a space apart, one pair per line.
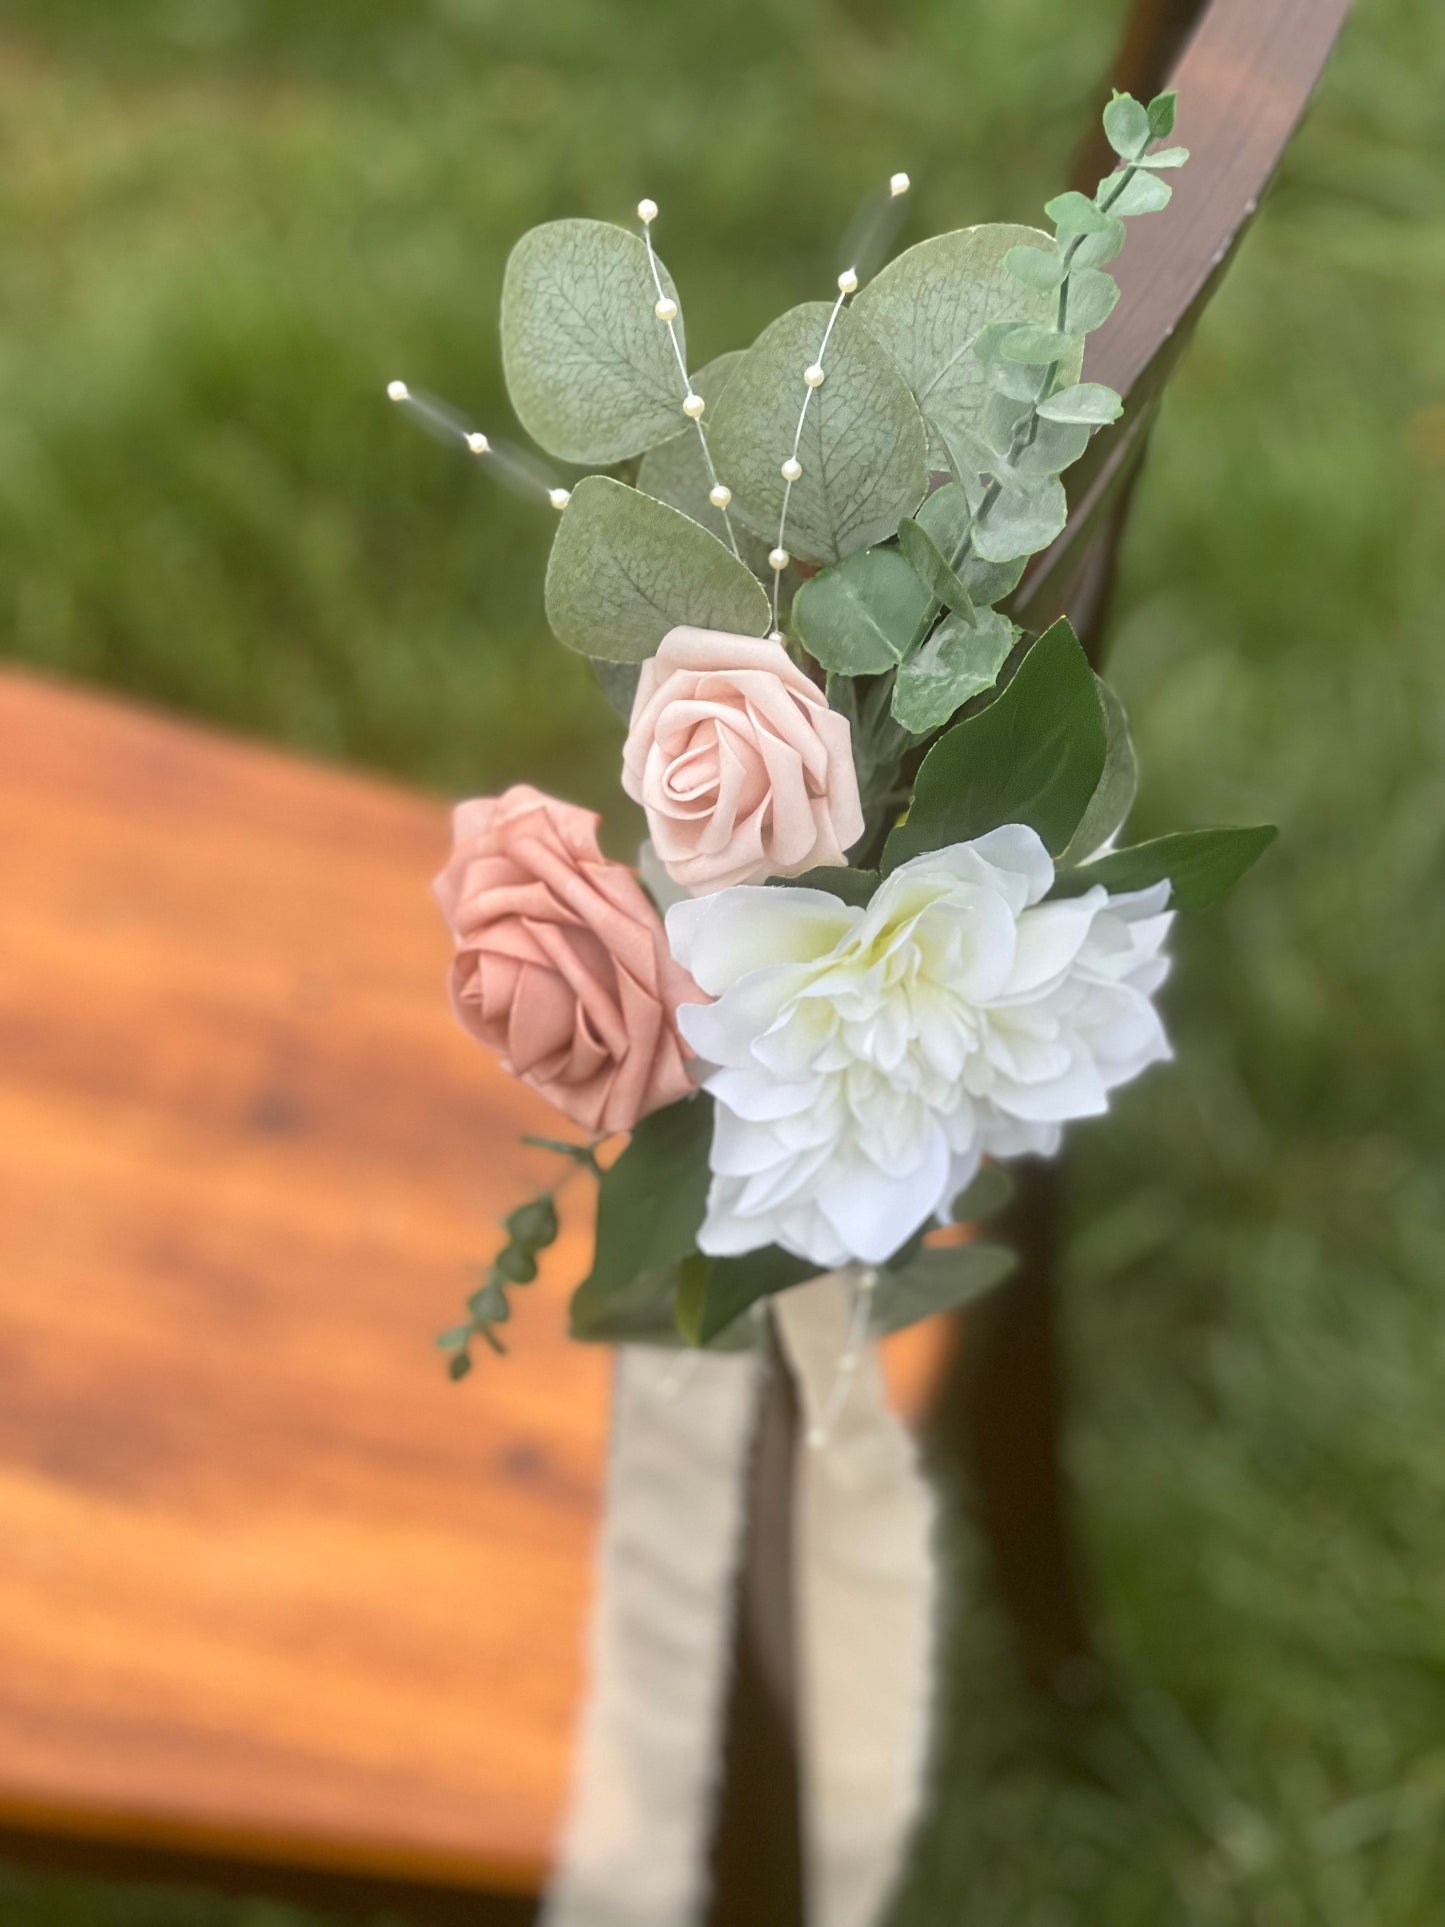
864, 1061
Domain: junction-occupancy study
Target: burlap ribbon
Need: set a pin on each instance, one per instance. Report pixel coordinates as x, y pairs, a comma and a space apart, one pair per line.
635, 1844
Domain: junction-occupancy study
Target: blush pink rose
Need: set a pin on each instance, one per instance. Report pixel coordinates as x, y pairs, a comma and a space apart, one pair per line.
741, 766
562, 965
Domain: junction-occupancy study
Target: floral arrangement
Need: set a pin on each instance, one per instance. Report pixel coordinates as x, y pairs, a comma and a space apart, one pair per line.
886, 936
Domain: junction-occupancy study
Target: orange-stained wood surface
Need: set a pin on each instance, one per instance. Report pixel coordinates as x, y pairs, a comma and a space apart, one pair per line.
270, 1586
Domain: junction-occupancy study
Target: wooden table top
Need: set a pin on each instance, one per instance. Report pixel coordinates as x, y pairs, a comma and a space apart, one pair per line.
271, 1586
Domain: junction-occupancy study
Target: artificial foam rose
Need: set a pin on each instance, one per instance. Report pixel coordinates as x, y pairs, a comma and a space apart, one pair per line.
864, 1061
562, 967
741, 766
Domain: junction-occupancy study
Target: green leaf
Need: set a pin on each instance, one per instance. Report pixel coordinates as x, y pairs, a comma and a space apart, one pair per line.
1126, 126
1053, 447
1161, 116
937, 1280
1021, 521
851, 886
1039, 345
1094, 250
518, 1267
960, 659
863, 615
489, 1305
618, 682
863, 449
1141, 193
1035, 267
1033, 756
450, 1341
589, 367
1113, 797
734, 1285
677, 473
931, 565
460, 1363
929, 307
625, 569
990, 1191
1165, 157
947, 520
1075, 213
651, 1202
1201, 865
533, 1225
643, 1313
1092, 298
691, 1291
1086, 401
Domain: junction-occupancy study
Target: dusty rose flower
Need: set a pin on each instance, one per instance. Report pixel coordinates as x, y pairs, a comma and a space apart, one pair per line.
562, 967
741, 766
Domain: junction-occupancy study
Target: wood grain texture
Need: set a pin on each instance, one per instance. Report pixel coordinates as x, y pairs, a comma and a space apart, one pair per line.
272, 1587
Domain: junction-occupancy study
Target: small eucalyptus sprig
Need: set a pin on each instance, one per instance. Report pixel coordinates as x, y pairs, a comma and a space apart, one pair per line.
530, 1229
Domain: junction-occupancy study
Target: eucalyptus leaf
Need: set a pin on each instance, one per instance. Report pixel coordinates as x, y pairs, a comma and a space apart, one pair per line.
1126, 126
1033, 756
1035, 345
1202, 865
676, 471
961, 659
1021, 521
947, 520
938, 1279
618, 683
1087, 401
1053, 447
865, 614
1114, 797
1161, 115
863, 448
1094, 249
929, 307
651, 1202
588, 365
1092, 297
625, 569
1074, 213
1140, 193
930, 564
1035, 267
1165, 157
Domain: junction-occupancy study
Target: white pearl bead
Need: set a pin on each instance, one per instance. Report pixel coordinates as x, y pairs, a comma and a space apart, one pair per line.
848, 281
778, 559
666, 309
646, 211
692, 406
792, 469
558, 497
899, 184
720, 495
398, 391
477, 442
813, 375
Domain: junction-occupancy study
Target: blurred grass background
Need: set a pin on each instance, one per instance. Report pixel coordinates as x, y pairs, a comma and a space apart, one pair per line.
227, 222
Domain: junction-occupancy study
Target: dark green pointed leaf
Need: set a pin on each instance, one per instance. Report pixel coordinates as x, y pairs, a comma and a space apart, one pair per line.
1202, 866
625, 569
937, 1280
1161, 115
1033, 756
850, 886
589, 367
651, 1202
863, 615
990, 1191
1114, 797
734, 1285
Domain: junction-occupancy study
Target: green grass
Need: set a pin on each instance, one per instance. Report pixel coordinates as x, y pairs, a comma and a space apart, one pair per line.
226, 225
